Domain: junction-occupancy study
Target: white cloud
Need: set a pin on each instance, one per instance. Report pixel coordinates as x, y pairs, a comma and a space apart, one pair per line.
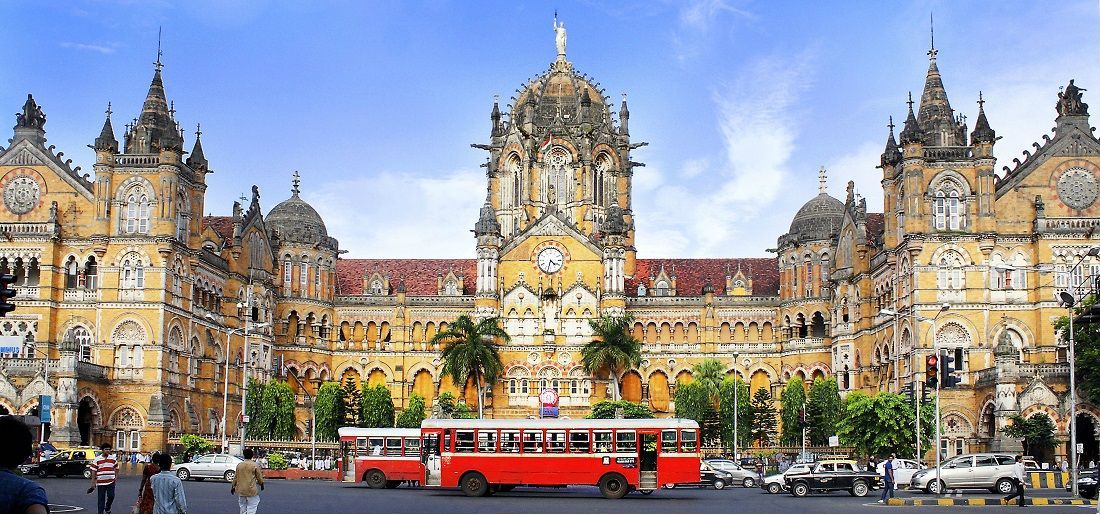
694, 167
103, 49
700, 14
403, 214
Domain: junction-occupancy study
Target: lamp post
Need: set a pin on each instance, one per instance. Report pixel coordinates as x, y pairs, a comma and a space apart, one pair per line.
1068, 300
736, 405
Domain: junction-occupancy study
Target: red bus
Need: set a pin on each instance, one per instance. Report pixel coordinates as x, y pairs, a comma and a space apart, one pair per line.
381, 457
618, 456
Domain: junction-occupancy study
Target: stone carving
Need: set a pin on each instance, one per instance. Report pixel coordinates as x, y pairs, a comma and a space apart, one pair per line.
32, 116
1077, 188
560, 38
21, 195
1069, 101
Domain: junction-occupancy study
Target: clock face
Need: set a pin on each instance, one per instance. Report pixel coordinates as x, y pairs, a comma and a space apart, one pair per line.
550, 260
21, 195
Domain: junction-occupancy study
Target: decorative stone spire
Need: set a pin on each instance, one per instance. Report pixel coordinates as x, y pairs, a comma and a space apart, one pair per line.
911, 132
156, 128
891, 156
983, 133
624, 116
487, 223
106, 140
295, 182
197, 160
498, 130
822, 180
936, 116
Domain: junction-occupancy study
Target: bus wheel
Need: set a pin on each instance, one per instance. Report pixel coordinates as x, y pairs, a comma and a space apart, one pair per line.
613, 486
376, 478
392, 484
474, 484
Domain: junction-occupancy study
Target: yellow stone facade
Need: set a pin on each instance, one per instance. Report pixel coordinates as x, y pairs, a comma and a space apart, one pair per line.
140, 301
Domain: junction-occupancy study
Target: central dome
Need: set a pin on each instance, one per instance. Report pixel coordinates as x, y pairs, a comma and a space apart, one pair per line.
295, 221
818, 219
560, 89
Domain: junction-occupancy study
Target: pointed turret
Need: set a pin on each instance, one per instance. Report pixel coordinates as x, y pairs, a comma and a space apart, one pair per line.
891, 155
106, 141
936, 116
197, 160
983, 133
487, 223
911, 132
624, 117
498, 130
156, 128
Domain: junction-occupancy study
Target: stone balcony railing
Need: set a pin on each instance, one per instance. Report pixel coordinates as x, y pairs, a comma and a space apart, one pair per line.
1058, 225
27, 366
26, 292
81, 295
1047, 371
805, 343
27, 228
85, 370
138, 160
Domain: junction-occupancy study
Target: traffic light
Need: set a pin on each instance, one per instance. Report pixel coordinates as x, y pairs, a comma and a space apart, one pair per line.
949, 375
6, 294
931, 370
907, 392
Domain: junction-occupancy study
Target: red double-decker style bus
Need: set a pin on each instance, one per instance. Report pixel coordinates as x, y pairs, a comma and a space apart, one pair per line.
381, 457
618, 456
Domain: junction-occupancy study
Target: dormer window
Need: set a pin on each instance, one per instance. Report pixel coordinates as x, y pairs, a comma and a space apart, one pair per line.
376, 287
661, 289
450, 288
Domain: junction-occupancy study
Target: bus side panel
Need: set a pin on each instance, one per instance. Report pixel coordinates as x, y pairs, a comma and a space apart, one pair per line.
395, 469
678, 468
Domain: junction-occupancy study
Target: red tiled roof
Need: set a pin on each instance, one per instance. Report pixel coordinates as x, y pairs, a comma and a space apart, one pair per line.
419, 274
875, 225
692, 274
223, 225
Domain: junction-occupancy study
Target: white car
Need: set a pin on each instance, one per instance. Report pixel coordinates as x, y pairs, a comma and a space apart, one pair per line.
903, 471
775, 483
217, 466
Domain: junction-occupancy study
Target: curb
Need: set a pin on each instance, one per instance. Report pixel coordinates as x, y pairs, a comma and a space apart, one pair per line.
990, 501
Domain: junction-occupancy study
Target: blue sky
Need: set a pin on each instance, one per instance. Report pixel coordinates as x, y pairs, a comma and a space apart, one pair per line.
376, 103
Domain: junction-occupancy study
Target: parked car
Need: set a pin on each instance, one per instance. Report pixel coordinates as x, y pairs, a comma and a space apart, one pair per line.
68, 462
832, 476
709, 476
774, 484
903, 471
969, 471
1086, 483
223, 466
741, 476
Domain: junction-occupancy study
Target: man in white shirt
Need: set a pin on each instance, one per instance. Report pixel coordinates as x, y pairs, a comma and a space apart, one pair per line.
1019, 478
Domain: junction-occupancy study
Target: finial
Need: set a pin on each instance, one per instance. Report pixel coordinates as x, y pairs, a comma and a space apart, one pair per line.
932, 31
496, 99
295, 182
821, 179
172, 108
159, 53
198, 130
981, 101
910, 102
891, 124
108, 109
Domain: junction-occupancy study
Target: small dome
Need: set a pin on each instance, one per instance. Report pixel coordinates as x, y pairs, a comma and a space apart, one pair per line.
295, 221
818, 219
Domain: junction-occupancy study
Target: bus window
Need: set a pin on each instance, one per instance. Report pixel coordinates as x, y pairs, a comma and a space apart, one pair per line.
509, 441
361, 446
555, 441
668, 440
487, 441
687, 440
375, 444
532, 441
412, 446
431, 445
393, 446
464, 441
447, 437
626, 441
578, 441
601, 440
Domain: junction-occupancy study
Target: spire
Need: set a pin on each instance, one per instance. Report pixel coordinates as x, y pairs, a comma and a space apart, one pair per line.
911, 132
983, 133
935, 115
487, 223
495, 117
106, 140
624, 116
822, 180
197, 160
295, 182
156, 128
891, 155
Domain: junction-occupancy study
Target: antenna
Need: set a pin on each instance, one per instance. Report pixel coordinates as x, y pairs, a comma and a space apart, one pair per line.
159, 53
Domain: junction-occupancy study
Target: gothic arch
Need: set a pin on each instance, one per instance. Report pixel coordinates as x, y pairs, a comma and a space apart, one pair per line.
943, 176
967, 259
1021, 328
127, 416
125, 186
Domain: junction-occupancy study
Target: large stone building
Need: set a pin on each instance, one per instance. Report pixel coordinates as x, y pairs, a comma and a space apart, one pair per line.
139, 301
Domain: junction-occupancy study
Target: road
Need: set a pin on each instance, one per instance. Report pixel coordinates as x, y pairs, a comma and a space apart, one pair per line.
281, 496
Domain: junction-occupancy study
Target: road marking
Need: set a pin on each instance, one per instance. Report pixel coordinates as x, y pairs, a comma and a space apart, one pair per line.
64, 508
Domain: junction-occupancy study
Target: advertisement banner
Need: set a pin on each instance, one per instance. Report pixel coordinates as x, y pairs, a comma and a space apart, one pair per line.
45, 404
549, 400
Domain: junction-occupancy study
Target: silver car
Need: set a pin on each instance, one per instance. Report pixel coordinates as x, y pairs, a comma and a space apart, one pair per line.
217, 466
992, 471
741, 476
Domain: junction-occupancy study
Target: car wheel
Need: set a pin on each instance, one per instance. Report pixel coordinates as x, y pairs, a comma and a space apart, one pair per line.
774, 488
1004, 486
935, 487
748, 482
719, 484
800, 490
183, 474
376, 478
474, 484
230, 475
859, 489
42, 473
613, 486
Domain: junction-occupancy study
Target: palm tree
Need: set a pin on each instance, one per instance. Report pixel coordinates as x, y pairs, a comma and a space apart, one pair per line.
709, 373
612, 348
470, 352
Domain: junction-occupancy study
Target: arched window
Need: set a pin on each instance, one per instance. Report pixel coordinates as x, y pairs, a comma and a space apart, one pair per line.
287, 270
317, 276
91, 273
947, 207
950, 273
450, 288
136, 211
133, 273
661, 288
303, 276
181, 218
71, 273
83, 341
376, 287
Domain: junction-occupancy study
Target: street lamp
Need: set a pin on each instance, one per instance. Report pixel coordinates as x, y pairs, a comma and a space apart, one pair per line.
1068, 300
736, 405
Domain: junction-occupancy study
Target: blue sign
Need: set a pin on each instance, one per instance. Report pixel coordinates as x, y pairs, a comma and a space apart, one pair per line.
9, 349
45, 403
550, 411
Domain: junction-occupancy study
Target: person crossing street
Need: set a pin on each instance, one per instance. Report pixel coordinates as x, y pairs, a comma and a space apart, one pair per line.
247, 483
888, 478
1019, 478
104, 473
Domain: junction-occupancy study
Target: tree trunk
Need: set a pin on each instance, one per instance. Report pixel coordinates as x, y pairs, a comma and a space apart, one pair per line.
615, 386
480, 400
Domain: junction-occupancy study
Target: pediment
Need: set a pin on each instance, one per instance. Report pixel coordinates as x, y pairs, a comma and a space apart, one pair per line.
1037, 393
24, 153
1070, 141
551, 224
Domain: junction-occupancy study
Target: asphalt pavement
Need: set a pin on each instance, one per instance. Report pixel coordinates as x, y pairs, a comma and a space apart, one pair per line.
67, 495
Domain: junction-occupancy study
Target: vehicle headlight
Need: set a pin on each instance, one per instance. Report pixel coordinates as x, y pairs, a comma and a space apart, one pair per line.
920, 473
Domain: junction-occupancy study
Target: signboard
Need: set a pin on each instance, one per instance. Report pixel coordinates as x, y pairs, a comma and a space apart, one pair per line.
45, 404
549, 400
11, 345
834, 441
1080, 448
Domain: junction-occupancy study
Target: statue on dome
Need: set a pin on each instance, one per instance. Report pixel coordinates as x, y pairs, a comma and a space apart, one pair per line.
559, 35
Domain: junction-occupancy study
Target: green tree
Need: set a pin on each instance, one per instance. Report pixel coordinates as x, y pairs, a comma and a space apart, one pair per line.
449, 407
606, 410
793, 400
693, 401
413, 414
613, 349
1035, 432
377, 407
277, 412
744, 413
194, 445
353, 402
823, 409
277, 461
763, 417
1086, 343
884, 423
254, 409
709, 374
328, 409
470, 353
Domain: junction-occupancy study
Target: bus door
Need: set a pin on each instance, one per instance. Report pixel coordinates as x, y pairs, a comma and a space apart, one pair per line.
430, 456
347, 460
647, 459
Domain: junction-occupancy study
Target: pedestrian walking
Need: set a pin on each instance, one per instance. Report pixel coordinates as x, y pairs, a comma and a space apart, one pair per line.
888, 478
168, 494
145, 489
247, 484
104, 473
17, 493
1065, 465
1019, 478
760, 470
